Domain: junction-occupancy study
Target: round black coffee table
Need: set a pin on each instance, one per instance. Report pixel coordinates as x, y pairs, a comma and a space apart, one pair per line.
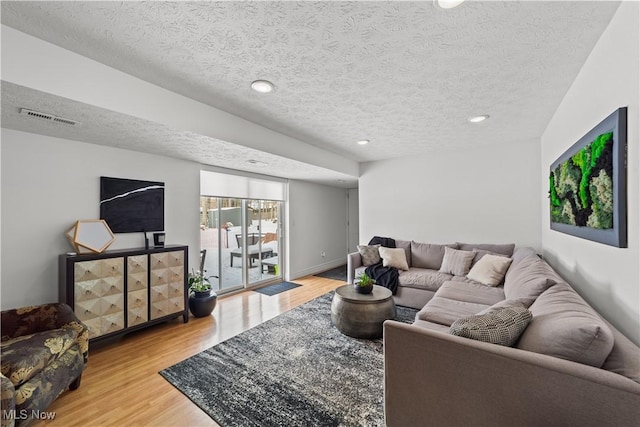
362, 315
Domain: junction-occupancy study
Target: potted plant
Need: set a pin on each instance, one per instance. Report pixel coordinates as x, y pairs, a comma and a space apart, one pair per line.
364, 284
202, 300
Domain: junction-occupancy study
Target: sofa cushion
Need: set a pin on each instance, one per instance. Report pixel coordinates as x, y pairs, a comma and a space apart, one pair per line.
529, 278
446, 311
521, 253
481, 253
520, 302
502, 326
431, 326
406, 245
505, 249
394, 257
25, 356
470, 292
624, 358
565, 326
490, 270
456, 262
427, 255
369, 254
422, 278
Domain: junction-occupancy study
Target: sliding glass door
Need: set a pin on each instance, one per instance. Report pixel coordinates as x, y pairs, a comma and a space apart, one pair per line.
240, 241
263, 231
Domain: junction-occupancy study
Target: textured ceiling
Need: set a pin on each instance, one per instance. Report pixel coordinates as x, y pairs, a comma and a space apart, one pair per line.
403, 74
104, 127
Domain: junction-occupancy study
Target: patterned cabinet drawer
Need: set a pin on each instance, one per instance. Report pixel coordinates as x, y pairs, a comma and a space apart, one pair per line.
159, 276
99, 294
159, 309
98, 269
111, 323
175, 274
137, 316
112, 304
176, 259
137, 272
159, 293
176, 290
159, 261
175, 305
137, 307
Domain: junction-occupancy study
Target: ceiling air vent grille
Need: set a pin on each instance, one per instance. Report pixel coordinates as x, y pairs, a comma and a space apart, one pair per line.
48, 117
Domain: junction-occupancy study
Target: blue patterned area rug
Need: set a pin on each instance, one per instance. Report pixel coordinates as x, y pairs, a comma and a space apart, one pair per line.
294, 370
277, 288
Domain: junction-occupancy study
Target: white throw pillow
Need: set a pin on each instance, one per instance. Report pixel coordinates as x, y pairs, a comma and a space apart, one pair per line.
394, 257
456, 262
490, 270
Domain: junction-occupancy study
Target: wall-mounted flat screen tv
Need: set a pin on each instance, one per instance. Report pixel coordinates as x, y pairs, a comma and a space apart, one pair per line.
130, 205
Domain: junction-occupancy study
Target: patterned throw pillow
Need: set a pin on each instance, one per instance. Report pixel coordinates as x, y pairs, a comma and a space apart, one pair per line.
370, 254
503, 326
456, 262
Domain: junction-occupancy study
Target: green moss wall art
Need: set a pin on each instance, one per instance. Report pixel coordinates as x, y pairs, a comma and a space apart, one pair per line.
587, 184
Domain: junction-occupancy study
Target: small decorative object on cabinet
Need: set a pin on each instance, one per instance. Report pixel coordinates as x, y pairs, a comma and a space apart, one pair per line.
90, 235
124, 290
363, 284
202, 300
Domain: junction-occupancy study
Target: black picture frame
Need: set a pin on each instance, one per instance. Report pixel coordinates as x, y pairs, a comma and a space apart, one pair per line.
617, 235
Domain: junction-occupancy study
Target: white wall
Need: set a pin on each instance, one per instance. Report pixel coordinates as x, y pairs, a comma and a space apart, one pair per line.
487, 194
607, 277
317, 219
49, 183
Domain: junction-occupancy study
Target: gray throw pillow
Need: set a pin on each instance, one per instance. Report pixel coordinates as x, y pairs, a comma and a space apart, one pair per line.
456, 262
427, 255
504, 249
503, 326
370, 254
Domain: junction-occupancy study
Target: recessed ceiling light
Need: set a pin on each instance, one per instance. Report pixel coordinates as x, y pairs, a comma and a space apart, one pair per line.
478, 119
262, 86
363, 142
341, 181
447, 4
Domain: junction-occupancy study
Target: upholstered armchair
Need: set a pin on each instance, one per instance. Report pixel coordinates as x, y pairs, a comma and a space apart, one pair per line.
44, 352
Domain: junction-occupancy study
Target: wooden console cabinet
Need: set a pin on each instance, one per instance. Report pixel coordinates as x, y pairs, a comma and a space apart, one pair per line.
120, 291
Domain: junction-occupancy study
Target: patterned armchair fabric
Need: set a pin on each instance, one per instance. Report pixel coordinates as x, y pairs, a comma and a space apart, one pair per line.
44, 351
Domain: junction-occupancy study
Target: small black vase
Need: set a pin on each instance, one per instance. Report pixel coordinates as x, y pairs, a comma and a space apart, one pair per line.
363, 289
201, 304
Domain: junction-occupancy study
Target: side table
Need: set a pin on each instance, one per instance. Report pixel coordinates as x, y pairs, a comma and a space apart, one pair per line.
362, 315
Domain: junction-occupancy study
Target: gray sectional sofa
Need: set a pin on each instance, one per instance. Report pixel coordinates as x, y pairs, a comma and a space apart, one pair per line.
568, 367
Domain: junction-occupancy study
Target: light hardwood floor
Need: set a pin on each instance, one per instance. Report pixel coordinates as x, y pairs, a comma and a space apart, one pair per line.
121, 385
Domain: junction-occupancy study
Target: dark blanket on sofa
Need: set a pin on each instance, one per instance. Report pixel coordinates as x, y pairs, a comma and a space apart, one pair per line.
384, 276
387, 242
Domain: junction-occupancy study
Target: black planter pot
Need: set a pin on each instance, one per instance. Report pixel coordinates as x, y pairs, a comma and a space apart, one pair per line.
201, 304
363, 289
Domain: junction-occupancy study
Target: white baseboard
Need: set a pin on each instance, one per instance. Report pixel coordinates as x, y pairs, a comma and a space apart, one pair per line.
317, 268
